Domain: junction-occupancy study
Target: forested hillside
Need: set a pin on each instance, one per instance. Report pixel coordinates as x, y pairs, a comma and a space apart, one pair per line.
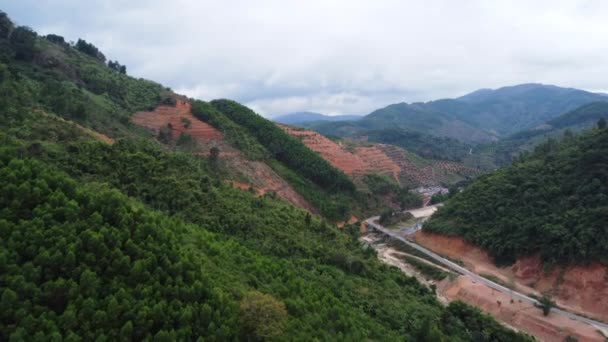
553, 201
503, 151
133, 241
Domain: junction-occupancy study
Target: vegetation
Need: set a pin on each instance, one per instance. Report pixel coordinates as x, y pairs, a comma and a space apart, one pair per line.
553, 201
390, 217
286, 149
429, 271
89, 49
424, 145
238, 136
546, 304
133, 241
383, 185
503, 152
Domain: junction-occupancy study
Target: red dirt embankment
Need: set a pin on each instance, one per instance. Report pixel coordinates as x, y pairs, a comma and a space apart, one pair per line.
175, 117
582, 289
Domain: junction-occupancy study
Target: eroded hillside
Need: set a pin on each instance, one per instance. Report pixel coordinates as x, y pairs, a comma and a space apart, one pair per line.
178, 120
361, 158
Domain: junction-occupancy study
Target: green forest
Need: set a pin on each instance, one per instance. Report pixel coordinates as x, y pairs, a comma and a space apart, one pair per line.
135, 241
552, 201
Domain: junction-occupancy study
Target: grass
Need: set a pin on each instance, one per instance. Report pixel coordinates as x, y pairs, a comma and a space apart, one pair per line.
405, 223
402, 247
495, 279
427, 270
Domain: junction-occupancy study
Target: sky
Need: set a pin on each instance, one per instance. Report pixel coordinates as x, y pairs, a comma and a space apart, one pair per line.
336, 57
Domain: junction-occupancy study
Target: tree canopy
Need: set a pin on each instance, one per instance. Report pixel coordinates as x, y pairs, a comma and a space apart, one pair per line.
553, 201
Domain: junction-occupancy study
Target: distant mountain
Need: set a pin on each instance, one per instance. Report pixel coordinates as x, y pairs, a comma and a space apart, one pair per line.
303, 117
420, 117
511, 109
502, 152
484, 114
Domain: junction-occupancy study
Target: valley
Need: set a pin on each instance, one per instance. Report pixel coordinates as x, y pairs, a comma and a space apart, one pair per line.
479, 284
414, 209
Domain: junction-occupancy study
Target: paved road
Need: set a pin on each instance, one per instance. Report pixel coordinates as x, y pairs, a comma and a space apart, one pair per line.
372, 223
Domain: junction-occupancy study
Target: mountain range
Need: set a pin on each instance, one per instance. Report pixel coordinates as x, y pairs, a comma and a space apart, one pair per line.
481, 116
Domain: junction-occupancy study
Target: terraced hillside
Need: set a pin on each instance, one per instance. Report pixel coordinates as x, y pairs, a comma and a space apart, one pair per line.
179, 119
406, 168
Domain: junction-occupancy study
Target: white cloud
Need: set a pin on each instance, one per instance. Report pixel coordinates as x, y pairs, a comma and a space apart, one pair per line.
341, 56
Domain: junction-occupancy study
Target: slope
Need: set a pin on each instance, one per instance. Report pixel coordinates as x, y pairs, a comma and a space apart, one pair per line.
503, 151
136, 240
77, 249
358, 158
515, 108
553, 202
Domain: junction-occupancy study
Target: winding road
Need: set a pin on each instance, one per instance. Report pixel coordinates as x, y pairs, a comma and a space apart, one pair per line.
372, 222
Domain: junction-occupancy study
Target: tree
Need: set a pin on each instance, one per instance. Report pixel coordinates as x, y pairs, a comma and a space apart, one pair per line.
186, 122
57, 39
89, 49
601, 123
214, 154
6, 25
23, 40
546, 304
262, 316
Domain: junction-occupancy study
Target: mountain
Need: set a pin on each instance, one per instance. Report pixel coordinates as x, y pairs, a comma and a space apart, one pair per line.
130, 212
489, 118
510, 109
419, 117
553, 201
541, 220
502, 152
305, 117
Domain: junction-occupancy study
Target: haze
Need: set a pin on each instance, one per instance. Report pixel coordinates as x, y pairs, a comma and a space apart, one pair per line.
337, 57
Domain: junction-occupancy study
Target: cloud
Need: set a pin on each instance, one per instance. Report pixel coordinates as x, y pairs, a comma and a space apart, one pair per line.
337, 56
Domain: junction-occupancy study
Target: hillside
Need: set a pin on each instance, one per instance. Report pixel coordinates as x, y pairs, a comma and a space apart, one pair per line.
503, 151
510, 109
552, 202
480, 128
307, 117
117, 222
359, 158
419, 117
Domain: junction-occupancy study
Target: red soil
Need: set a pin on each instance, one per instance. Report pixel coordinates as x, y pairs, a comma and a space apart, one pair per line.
260, 175
337, 156
582, 289
351, 220
165, 115
265, 180
376, 161
377, 158
520, 315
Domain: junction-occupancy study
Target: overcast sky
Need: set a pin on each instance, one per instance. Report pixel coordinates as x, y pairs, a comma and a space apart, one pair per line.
337, 57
